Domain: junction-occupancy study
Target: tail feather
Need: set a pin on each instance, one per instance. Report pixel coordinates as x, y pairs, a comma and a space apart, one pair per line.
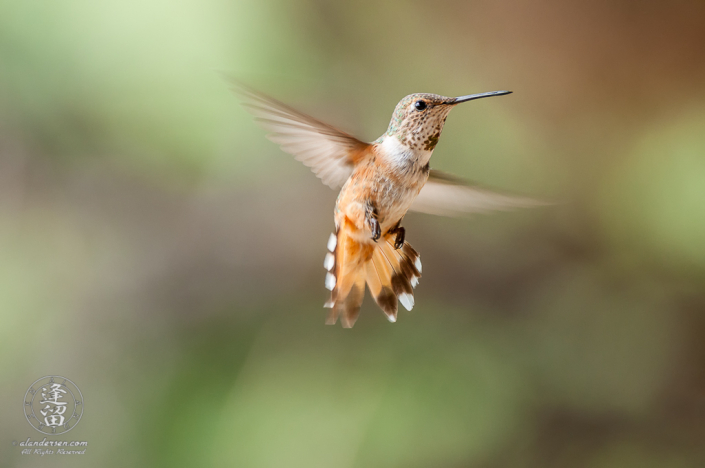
379, 272
346, 277
402, 278
353, 300
407, 274
390, 274
410, 263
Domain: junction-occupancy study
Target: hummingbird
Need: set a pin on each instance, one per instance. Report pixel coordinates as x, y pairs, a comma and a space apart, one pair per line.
379, 182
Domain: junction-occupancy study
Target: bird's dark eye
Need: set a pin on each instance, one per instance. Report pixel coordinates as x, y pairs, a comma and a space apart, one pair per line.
420, 105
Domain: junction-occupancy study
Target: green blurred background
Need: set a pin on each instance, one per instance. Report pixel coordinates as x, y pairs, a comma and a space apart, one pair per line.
157, 250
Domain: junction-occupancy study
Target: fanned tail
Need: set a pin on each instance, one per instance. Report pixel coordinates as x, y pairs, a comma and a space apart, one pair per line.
390, 274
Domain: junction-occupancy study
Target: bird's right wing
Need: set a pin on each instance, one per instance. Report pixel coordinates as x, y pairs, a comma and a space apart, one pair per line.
446, 195
330, 153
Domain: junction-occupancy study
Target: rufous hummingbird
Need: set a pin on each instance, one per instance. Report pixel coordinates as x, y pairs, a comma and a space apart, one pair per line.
380, 182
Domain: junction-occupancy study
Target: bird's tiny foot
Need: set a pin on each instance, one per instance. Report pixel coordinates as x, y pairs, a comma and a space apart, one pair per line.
374, 227
399, 241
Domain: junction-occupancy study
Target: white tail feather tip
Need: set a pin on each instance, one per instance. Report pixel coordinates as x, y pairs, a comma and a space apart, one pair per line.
329, 261
414, 281
332, 242
392, 318
330, 281
417, 264
407, 300
329, 305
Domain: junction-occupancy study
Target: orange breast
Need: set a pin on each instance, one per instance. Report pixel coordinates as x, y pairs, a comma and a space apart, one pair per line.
390, 192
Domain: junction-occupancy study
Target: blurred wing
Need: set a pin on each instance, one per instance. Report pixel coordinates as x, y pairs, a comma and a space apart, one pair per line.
330, 153
447, 196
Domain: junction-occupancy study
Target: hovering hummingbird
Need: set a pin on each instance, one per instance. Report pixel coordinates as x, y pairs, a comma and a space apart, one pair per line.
380, 182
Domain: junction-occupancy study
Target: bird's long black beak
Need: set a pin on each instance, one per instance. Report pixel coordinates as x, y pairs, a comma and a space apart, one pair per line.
471, 97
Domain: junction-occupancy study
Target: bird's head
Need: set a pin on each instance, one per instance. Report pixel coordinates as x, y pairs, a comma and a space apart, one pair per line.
418, 118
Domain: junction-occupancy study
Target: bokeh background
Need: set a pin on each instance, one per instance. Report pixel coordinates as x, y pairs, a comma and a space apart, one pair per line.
157, 250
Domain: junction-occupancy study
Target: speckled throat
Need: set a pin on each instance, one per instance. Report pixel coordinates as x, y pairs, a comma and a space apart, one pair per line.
420, 129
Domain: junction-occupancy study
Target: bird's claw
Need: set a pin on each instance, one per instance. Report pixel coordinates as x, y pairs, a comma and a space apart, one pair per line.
376, 230
399, 240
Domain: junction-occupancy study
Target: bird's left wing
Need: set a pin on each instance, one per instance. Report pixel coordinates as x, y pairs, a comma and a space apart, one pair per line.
330, 153
446, 195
